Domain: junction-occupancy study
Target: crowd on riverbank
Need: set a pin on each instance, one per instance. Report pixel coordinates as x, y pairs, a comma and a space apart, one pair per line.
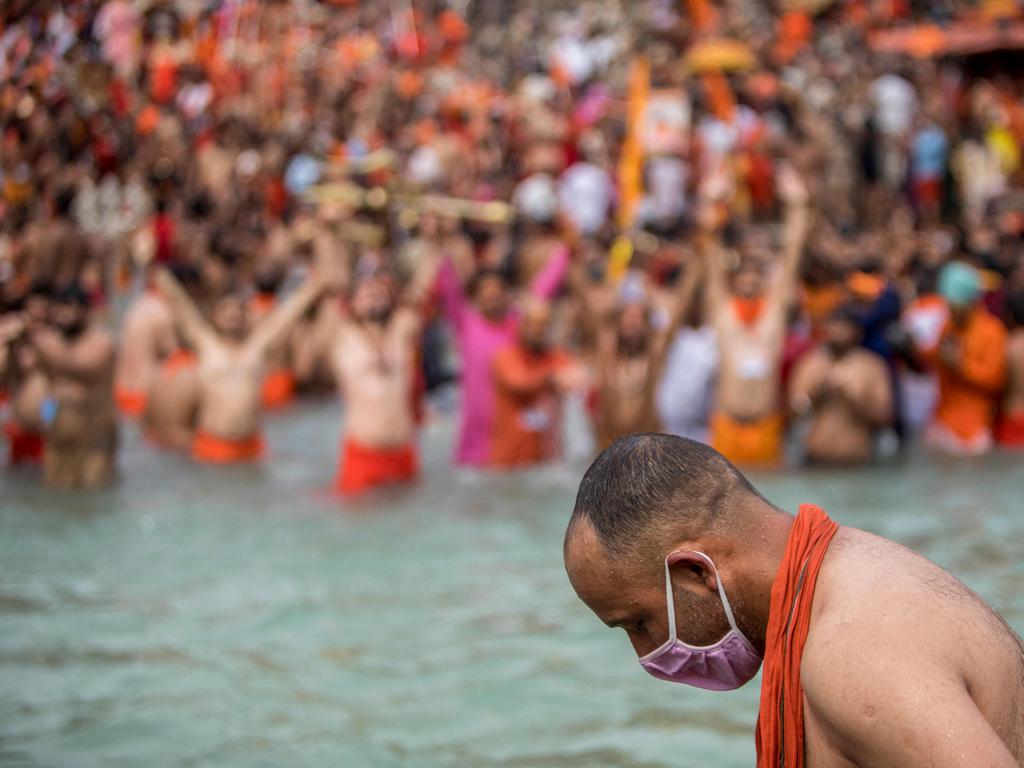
738, 226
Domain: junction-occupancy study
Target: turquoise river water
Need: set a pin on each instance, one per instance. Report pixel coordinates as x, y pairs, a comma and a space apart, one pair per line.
194, 616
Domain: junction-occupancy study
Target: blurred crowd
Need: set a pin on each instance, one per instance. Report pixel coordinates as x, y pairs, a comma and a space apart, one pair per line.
749, 225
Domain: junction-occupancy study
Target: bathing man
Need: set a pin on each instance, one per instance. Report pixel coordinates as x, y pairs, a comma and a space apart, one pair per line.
872, 655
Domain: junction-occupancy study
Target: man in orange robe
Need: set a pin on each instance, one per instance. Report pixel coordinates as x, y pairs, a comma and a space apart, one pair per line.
529, 379
872, 656
970, 360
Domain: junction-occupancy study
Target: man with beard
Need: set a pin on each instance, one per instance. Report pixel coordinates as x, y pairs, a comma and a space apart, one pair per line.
231, 360
373, 355
846, 391
632, 342
872, 656
79, 415
749, 317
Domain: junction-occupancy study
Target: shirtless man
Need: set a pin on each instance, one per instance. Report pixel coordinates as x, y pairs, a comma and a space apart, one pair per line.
172, 404
872, 656
633, 335
846, 391
373, 355
79, 416
24, 377
1010, 432
61, 252
147, 337
750, 321
231, 361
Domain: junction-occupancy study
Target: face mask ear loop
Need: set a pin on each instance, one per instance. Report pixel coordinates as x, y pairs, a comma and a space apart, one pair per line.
670, 604
721, 593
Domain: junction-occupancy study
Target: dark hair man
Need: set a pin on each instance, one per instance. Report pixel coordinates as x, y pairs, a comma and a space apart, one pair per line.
872, 655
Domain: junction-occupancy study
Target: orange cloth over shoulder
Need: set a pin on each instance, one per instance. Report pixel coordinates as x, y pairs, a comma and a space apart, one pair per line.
217, 450
780, 722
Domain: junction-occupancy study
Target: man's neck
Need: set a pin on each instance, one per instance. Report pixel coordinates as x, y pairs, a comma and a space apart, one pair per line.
760, 574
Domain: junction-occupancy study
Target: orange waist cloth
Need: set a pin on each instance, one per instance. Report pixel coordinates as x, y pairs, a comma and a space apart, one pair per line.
130, 402
1010, 432
178, 361
216, 450
780, 721
25, 447
278, 389
757, 443
364, 467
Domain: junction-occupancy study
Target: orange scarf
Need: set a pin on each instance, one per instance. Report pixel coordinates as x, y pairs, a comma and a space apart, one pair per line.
748, 310
780, 723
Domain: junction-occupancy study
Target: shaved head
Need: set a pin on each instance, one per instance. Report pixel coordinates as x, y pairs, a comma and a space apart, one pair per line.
650, 496
651, 484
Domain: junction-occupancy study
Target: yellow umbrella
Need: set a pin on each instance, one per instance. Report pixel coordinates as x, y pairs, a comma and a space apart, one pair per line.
721, 56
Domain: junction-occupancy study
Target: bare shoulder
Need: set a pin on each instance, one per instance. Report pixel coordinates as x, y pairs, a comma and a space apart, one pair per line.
865, 575
898, 648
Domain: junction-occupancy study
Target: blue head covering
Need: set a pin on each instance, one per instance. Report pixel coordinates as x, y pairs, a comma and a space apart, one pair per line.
959, 284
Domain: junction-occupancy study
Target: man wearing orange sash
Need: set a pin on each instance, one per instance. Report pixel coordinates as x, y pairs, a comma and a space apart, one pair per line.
872, 656
748, 312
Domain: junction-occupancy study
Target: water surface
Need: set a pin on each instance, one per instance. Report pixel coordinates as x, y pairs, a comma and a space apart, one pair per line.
196, 616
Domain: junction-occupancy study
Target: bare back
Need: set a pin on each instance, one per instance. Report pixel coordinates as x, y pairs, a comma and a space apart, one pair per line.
147, 335
903, 659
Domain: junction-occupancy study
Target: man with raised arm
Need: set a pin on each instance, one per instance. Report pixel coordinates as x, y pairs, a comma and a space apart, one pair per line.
231, 359
748, 311
634, 327
373, 352
871, 656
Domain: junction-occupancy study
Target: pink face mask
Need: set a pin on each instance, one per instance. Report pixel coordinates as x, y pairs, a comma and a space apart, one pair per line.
721, 666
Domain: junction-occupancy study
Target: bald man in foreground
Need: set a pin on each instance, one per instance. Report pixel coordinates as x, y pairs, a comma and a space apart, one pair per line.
873, 656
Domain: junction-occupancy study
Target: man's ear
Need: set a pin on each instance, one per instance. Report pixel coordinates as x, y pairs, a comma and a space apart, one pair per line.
690, 567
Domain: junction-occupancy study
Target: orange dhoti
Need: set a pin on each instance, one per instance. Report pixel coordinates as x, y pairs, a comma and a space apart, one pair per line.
217, 450
756, 443
25, 447
130, 402
278, 389
780, 722
1010, 432
364, 467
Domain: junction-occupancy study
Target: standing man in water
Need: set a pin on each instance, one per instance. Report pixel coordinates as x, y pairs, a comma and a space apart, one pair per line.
970, 359
846, 391
373, 355
79, 416
872, 655
749, 316
231, 360
147, 337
